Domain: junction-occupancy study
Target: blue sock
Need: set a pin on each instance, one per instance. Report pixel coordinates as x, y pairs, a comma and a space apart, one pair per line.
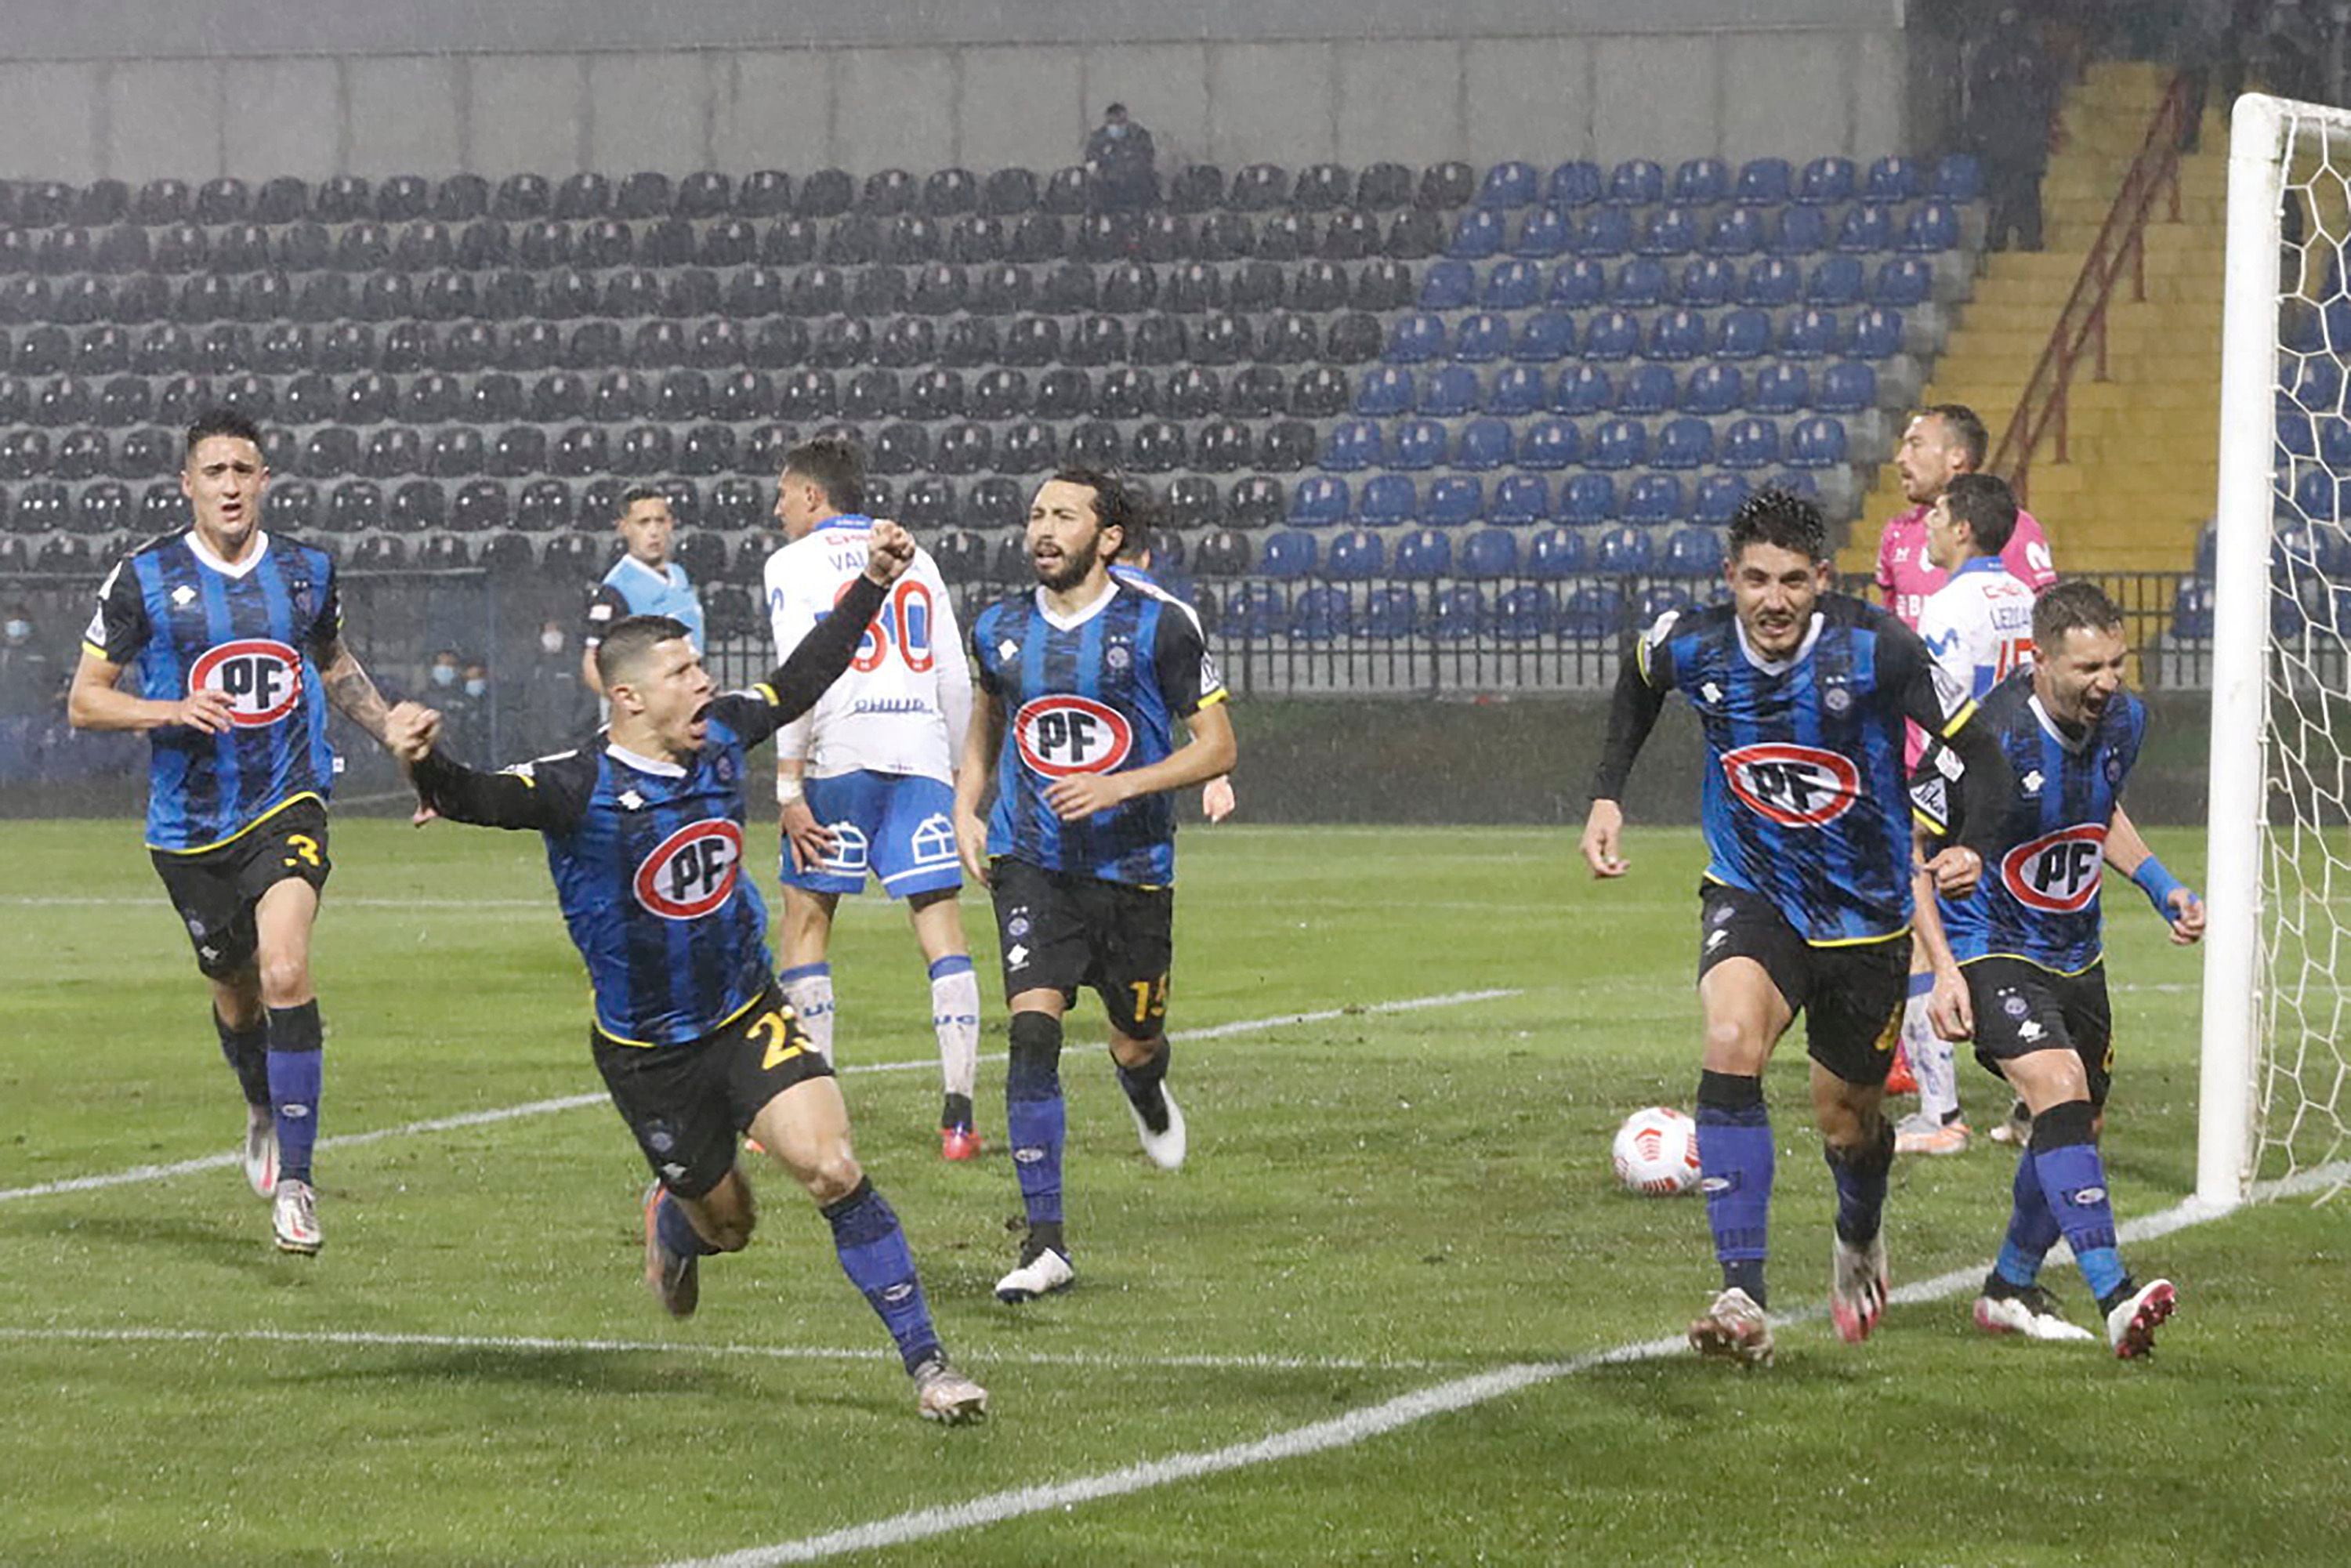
875, 1257
247, 1051
2073, 1179
677, 1232
1036, 1119
2031, 1227
296, 1054
1735, 1157
1861, 1174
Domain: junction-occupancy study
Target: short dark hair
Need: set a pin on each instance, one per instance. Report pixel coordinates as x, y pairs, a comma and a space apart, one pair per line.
1988, 507
835, 465
1113, 109
221, 421
2074, 601
1119, 503
625, 646
635, 493
1962, 421
1781, 518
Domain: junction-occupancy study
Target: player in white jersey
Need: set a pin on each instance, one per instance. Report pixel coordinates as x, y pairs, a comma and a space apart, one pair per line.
1978, 627
865, 779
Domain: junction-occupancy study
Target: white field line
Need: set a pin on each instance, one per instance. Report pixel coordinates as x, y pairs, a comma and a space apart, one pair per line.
1360, 1426
575, 1102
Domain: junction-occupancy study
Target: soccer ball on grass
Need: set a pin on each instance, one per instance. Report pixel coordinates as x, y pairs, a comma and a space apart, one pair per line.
1656, 1152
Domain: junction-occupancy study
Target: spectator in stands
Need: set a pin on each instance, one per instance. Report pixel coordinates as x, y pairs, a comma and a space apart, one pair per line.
443, 675
556, 708
30, 684
643, 581
1120, 162
2011, 94
464, 712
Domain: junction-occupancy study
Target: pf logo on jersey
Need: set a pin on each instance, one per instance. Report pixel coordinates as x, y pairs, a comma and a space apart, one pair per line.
1062, 735
691, 872
2057, 873
1794, 786
261, 678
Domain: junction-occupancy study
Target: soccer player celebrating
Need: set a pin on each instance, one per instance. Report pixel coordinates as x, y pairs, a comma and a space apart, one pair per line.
2031, 981
1088, 676
644, 837
1978, 627
865, 778
1807, 901
232, 636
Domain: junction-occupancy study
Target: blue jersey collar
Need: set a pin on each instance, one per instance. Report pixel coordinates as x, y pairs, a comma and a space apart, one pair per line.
1981, 563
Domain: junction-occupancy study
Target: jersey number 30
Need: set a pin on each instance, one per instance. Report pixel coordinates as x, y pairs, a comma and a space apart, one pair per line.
903, 622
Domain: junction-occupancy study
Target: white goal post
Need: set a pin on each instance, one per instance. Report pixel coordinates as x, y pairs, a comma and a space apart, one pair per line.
2275, 1075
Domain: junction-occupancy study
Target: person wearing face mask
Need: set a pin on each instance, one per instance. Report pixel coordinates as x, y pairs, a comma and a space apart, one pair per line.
554, 706
1121, 163
28, 676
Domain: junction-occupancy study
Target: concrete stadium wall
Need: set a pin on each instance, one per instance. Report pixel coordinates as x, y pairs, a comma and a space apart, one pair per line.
134, 90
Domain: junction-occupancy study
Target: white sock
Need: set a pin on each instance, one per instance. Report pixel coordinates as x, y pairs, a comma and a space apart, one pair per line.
810, 990
955, 1014
1931, 1063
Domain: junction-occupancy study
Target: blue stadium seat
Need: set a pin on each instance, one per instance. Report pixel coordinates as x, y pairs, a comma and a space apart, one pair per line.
1417, 336
1578, 284
1578, 183
1322, 613
1876, 334
1700, 182
1419, 443
1902, 282
1509, 185
1763, 183
1478, 235
1544, 233
1515, 390
1545, 338
1811, 334
1354, 556
1288, 553
1669, 232
1588, 499
1750, 444
1693, 552
1457, 614
1826, 181
1959, 177
1450, 394
1612, 335
1744, 334
1352, 443
1257, 611
1581, 390
1484, 444
1647, 389
1554, 553
2335, 444
1510, 285
1551, 443
1388, 500
1847, 388
1713, 389
1779, 389
1455, 501
1423, 556
1637, 183
1320, 500
2318, 386
1525, 613
1447, 286
1709, 280
1678, 335
1618, 444
1605, 232
1933, 227
1490, 553
1773, 282
1593, 612
1794, 482
1654, 498
1684, 442
1522, 500
1800, 231
1389, 613
1719, 497
2191, 610
1624, 552
1387, 390
1835, 283
1867, 228
1894, 179
1739, 232
1641, 284
1481, 338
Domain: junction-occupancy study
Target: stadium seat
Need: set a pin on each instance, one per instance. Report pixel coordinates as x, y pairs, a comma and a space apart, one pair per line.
1763, 183
1418, 337
1902, 282
1811, 333
1707, 281
1577, 284
1417, 444
1457, 614
1543, 233
1545, 337
1288, 553
1876, 334
1653, 500
1550, 445
1959, 177
1800, 232
1554, 553
1719, 495
1604, 233
1693, 552
1848, 388
1742, 334
1678, 335
1582, 390
1522, 500
1932, 227
1740, 231
1423, 556
1779, 389
1750, 444
1612, 335
1478, 235
1353, 445
1450, 392
1324, 611
1355, 555
1640, 284
1515, 391
1834, 283
1866, 228
1817, 442
1484, 444
1321, 500
1713, 389
1578, 183
1700, 181
1623, 552
1525, 613
1481, 337
1668, 232
1516, 285
1490, 553
1509, 185
1445, 185
1826, 181
1618, 444
1637, 183
1389, 390
1894, 179
1388, 613
1683, 443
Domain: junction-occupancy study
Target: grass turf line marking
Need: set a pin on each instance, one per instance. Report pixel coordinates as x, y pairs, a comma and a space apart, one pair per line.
576, 1101
1372, 1421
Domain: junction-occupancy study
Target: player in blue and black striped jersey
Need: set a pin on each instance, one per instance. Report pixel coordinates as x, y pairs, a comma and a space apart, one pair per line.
1806, 903
643, 827
2024, 969
1078, 687
225, 644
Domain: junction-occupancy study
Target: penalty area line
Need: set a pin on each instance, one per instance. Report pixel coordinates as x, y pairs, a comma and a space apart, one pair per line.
1361, 1426
136, 1173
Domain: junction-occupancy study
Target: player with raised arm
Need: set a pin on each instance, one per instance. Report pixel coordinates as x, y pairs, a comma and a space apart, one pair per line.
1806, 902
1978, 627
865, 779
231, 636
644, 826
2025, 971
1080, 685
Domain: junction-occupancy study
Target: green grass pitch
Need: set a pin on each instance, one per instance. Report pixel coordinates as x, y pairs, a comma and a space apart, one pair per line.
1378, 1205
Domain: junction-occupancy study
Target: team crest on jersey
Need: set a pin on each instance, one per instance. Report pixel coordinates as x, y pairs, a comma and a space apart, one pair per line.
692, 871
261, 677
1061, 734
2057, 873
1794, 786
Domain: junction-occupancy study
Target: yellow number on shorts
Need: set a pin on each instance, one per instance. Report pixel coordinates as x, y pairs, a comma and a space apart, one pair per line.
1150, 999
305, 848
782, 1046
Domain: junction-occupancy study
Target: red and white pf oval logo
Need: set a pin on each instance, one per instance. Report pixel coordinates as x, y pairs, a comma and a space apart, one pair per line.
691, 872
262, 679
2057, 873
1062, 735
1794, 786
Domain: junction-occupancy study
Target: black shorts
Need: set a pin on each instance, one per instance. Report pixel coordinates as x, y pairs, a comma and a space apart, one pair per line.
2022, 1008
216, 890
687, 1105
1850, 994
1061, 931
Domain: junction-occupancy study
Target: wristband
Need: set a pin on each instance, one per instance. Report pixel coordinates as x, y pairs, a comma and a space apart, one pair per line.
2157, 883
790, 791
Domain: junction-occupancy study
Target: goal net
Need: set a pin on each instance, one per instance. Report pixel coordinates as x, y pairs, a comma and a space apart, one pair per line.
2276, 1066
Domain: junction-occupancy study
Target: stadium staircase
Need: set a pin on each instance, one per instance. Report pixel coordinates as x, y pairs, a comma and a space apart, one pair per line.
2141, 466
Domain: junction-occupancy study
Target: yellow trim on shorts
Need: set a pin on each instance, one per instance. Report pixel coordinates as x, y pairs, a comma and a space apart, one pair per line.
656, 1045
2044, 968
216, 843
1839, 941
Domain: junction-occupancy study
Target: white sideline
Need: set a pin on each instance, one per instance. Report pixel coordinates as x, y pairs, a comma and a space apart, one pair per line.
1372, 1421
574, 1102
